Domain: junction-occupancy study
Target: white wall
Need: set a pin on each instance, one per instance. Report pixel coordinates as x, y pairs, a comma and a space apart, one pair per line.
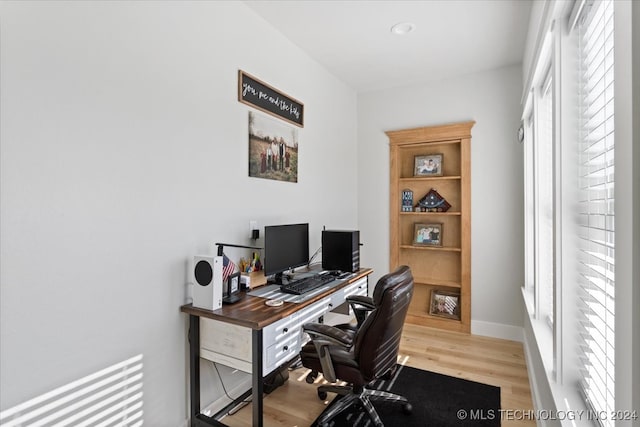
123, 154
492, 99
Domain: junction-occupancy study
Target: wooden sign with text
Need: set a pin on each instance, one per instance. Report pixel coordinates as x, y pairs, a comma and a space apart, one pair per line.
260, 95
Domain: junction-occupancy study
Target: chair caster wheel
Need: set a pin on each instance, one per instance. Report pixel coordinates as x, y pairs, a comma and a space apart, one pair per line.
322, 395
311, 377
407, 408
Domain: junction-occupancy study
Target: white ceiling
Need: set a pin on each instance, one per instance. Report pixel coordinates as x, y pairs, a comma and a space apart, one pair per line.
352, 39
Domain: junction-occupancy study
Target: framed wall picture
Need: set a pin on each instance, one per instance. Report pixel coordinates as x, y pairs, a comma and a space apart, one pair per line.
260, 95
273, 149
445, 304
428, 165
427, 234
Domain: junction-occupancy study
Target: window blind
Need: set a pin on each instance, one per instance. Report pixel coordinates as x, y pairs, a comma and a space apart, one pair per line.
596, 234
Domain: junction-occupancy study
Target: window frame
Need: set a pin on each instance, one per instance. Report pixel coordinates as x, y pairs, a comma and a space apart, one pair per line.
562, 373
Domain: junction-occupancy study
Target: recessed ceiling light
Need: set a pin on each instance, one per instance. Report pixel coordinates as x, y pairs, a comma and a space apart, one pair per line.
403, 28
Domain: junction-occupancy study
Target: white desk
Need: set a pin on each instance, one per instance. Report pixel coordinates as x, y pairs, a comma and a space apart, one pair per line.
256, 338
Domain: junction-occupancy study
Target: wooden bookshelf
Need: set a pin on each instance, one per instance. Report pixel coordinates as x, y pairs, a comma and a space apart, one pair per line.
446, 266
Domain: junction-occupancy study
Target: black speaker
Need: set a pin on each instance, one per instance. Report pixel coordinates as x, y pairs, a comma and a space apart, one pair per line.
341, 250
203, 272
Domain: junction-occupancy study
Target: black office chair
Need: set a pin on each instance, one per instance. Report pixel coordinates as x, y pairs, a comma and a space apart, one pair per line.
361, 306
364, 355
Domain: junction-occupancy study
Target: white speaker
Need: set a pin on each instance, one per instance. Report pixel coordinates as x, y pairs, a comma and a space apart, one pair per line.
207, 291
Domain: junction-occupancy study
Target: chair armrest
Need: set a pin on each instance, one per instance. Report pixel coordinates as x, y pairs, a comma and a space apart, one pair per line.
361, 306
329, 333
323, 336
364, 301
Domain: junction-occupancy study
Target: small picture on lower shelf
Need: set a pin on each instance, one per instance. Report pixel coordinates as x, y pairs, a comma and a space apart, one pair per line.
445, 304
427, 234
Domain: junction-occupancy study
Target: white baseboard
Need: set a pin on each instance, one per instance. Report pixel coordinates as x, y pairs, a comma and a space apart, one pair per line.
497, 330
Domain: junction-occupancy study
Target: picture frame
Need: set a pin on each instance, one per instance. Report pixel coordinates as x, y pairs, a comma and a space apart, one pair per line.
427, 234
428, 165
273, 149
445, 304
232, 289
264, 97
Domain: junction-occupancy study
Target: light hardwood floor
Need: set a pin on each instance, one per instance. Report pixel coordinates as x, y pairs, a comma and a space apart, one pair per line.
486, 360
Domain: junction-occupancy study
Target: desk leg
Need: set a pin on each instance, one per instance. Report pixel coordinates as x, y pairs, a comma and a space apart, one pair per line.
197, 419
257, 384
194, 367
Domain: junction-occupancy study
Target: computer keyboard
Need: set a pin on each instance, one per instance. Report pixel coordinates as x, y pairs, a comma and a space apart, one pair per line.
307, 284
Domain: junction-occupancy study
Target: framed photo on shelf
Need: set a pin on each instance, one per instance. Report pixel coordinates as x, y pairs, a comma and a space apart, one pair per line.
445, 304
428, 165
427, 234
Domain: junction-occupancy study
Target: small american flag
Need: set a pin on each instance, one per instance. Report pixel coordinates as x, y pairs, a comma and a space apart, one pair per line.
228, 267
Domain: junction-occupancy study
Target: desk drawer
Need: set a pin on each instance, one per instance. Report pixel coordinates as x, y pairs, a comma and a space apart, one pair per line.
314, 311
225, 343
281, 343
281, 352
279, 331
359, 287
310, 315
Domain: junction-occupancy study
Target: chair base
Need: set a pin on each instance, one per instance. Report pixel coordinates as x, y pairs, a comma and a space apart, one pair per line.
363, 396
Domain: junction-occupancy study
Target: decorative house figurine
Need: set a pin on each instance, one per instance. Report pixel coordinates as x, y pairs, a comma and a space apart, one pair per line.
407, 201
432, 202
